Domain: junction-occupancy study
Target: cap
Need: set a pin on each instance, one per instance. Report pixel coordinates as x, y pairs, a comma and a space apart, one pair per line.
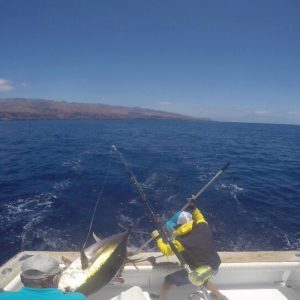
184, 217
39, 267
179, 218
171, 223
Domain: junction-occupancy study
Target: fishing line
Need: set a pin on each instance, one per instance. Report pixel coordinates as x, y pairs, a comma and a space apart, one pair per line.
98, 198
133, 230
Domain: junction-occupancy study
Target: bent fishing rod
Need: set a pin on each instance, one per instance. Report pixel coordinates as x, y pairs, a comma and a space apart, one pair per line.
154, 216
193, 198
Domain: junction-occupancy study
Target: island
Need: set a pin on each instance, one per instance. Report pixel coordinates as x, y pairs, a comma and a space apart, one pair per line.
41, 109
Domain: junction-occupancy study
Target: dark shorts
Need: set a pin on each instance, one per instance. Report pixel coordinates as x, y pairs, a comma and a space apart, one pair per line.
180, 277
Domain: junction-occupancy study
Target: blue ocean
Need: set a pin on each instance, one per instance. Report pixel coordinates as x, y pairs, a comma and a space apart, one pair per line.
52, 173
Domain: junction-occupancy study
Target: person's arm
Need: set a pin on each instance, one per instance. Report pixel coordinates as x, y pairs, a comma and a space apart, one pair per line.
197, 216
165, 248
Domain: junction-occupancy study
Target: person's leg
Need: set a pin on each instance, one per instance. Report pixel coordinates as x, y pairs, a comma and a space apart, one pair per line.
177, 278
165, 290
215, 291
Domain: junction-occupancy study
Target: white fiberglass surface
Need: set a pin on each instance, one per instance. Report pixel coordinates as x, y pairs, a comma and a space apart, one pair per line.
232, 294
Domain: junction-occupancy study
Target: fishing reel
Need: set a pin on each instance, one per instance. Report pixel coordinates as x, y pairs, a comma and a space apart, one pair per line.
200, 294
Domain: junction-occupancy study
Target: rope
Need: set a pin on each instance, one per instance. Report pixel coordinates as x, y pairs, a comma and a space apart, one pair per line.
98, 199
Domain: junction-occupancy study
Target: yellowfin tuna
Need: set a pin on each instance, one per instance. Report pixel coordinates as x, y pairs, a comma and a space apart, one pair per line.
104, 259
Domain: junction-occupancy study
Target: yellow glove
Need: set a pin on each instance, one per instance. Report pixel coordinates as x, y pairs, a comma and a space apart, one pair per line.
155, 234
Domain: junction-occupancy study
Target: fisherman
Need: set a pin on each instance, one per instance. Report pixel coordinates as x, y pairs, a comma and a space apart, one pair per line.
40, 277
194, 240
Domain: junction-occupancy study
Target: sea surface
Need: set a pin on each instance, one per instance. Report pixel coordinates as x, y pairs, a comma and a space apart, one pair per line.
52, 173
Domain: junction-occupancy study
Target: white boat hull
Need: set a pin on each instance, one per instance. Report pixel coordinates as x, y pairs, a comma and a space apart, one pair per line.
246, 276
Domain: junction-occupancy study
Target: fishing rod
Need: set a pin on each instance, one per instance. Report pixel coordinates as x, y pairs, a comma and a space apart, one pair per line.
194, 198
154, 216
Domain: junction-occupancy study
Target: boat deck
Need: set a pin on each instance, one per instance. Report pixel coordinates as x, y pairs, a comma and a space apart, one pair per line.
242, 275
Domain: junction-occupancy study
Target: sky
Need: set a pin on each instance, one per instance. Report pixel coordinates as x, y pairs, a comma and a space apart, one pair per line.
228, 60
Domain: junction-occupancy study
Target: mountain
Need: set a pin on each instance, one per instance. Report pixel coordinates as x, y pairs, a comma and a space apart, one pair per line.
40, 109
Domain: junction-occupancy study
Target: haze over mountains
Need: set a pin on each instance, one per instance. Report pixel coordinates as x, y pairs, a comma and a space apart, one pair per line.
40, 109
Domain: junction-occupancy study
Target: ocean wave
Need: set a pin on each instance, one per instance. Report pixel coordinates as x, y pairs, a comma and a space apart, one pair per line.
25, 206
150, 181
37, 236
37, 203
61, 186
73, 164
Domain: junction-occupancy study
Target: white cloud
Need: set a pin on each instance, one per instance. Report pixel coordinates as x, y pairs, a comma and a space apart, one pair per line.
165, 103
262, 112
296, 112
5, 85
170, 103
